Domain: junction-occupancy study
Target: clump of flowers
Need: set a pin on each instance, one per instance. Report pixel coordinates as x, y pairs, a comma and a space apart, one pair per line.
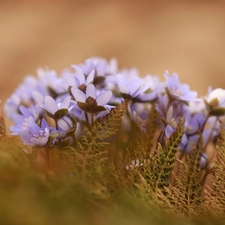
155, 133
50, 109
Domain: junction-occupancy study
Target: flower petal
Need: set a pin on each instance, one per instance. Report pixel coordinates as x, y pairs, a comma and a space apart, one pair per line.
101, 67
66, 103
80, 76
70, 80
104, 98
26, 138
78, 94
50, 105
168, 131
39, 142
91, 91
123, 89
90, 77
33, 128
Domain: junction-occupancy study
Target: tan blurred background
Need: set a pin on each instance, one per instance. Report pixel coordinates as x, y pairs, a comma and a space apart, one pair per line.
187, 37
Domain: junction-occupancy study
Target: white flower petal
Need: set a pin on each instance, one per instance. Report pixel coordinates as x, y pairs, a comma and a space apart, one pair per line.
104, 98
78, 94
91, 91
66, 103
70, 80
123, 89
101, 67
80, 76
218, 93
64, 124
50, 105
90, 77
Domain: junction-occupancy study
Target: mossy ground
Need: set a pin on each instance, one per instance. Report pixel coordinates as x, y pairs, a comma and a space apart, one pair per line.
31, 195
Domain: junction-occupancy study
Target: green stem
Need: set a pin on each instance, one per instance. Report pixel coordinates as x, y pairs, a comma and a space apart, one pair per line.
92, 119
87, 120
60, 143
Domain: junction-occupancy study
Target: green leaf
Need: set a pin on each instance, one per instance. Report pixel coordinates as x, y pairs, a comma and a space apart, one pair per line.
219, 111
214, 103
98, 109
60, 113
85, 107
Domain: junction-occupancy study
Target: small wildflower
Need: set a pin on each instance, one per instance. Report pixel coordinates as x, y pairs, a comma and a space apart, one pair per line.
91, 102
178, 91
55, 110
35, 135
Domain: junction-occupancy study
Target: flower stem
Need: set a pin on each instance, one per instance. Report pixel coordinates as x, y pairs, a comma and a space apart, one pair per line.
87, 120
92, 119
60, 143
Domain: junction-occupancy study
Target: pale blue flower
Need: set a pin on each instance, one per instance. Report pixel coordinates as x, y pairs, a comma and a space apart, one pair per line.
78, 80
178, 91
134, 87
35, 135
21, 96
91, 101
53, 109
99, 65
22, 120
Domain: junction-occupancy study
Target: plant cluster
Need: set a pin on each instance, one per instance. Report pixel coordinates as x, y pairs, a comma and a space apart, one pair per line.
117, 132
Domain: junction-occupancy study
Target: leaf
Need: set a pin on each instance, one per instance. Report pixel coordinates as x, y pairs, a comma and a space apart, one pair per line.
85, 107
92, 144
60, 114
218, 111
214, 103
186, 194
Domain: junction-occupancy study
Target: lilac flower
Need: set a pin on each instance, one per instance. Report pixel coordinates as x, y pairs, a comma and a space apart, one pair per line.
171, 122
194, 122
78, 80
35, 135
100, 65
49, 82
134, 87
22, 120
178, 91
91, 102
21, 96
53, 109
169, 113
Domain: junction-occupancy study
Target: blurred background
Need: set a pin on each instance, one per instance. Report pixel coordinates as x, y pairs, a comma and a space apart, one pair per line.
187, 37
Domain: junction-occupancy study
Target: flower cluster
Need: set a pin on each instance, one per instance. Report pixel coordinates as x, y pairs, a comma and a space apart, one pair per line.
52, 109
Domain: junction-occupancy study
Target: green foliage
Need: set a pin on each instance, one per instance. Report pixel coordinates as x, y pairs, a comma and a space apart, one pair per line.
91, 150
216, 194
2, 125
143, 184
186, 194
